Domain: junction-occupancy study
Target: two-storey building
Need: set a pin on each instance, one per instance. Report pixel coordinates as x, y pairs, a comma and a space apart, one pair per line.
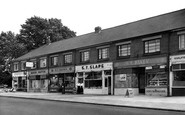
145, 56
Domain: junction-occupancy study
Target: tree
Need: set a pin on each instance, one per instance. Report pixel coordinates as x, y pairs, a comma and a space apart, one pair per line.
9, 49
37, 30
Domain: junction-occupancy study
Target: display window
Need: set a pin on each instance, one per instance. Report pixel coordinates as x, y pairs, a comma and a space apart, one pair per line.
93, 80
179, 78
69, 81
155, 79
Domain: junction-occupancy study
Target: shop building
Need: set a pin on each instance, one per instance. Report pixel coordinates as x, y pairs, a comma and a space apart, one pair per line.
95, 78
38, 80
143, 76
19, 81
177, 64
62, 78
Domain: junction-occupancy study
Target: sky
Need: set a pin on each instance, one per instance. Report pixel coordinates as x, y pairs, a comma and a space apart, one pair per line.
82, 16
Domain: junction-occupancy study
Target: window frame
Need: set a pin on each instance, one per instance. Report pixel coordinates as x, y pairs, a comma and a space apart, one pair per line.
34, 61
83, 57
180, 43
23, 65
52, 60
64, 56
128, 50
17, 66
101, 48
40, 62
149, 46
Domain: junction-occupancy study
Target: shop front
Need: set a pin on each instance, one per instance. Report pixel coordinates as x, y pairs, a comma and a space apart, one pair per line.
38, 80
62, 79
95, 78
19, 81
143, 76
177, 75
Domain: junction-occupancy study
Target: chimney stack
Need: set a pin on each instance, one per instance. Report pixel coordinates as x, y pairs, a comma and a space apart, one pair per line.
97, 29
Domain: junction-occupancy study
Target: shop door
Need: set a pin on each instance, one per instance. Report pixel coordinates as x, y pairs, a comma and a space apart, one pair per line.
109, 85
141, 79
141, 83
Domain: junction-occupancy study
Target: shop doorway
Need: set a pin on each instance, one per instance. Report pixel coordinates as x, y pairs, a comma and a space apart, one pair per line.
109, 85
140, 72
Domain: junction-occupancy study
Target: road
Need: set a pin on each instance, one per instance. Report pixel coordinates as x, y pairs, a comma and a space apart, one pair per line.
18, 106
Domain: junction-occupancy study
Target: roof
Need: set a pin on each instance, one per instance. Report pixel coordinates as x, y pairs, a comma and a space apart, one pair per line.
165, 22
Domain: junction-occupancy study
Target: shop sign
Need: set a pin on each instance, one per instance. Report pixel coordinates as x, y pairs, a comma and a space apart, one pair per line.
94, 67
38, 72
29, 64
61, 70
178, 59
18, 74
141, 62
156, 91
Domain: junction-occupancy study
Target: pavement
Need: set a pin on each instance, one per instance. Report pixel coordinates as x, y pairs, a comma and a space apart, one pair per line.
140, 101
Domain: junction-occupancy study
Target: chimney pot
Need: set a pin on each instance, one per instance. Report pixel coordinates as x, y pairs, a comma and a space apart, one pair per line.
97, 29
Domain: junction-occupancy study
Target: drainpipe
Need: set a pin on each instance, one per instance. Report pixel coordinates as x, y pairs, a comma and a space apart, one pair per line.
168, 67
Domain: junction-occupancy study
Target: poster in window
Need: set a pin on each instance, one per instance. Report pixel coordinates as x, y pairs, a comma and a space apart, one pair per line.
123, 77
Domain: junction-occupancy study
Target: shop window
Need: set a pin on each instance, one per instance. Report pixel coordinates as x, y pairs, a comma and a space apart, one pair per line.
126, 80
179, 78
182, 42
156, 79
23, 65
152, 46
124, 50
54, 60
93, 80
84, 56
16, 66
80, 77
103, 53
68, 58
43, 62
69, 81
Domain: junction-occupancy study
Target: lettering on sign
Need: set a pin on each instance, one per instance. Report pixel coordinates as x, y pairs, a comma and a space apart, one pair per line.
61, 70
95, 67
38, 72
178, 58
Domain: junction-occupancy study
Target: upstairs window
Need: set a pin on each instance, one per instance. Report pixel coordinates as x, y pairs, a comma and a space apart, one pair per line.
68, 58
103, 53
15, 66
123, 50
43, 62
54, 60
182, 42
23, 65
34, 64
152, 46
84, 56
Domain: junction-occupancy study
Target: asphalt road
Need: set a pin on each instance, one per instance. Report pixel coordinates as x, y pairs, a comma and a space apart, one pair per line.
18, 106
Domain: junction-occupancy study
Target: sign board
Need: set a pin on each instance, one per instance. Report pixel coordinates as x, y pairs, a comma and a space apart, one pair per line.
129, 93
38, 72
156, 91
18, 74
62, 70
29, 64
177, 59
141, 62
94, 67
